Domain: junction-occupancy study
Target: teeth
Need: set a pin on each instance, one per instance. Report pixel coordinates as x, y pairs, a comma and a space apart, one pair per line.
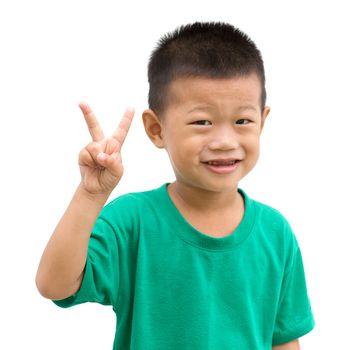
214, 162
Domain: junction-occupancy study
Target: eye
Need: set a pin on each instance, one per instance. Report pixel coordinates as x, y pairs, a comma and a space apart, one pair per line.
243, 121
202, 122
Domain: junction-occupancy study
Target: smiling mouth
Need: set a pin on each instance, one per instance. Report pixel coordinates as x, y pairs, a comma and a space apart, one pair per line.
222, 162
222, 166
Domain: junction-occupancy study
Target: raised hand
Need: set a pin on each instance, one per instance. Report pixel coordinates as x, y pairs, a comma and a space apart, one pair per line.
100, 161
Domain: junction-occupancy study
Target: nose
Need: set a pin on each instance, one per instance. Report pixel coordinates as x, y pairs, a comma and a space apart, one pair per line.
223, 139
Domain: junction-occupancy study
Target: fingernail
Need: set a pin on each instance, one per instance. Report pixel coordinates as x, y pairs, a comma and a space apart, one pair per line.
130, 109
102, 156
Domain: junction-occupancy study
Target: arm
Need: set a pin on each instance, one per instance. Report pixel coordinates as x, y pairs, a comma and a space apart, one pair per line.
61, 268
293, 345
60, 271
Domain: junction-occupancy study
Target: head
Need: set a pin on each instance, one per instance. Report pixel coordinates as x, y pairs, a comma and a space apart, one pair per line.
211, 50
207, 97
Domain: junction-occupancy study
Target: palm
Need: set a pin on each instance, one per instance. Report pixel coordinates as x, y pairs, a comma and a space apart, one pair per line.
98, 175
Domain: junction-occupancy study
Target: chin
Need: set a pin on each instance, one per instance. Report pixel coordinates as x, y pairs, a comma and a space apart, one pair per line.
219, 187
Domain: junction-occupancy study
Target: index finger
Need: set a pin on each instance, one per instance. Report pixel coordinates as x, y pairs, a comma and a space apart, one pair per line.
92, 123
123, 127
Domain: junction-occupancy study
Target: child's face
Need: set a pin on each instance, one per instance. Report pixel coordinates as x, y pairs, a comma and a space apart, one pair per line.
212, 120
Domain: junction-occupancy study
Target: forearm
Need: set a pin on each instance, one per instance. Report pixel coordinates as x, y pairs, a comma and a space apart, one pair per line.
62, 264
293, 345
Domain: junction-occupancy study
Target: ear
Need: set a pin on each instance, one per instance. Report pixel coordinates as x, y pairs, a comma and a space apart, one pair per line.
264, 114
153, 127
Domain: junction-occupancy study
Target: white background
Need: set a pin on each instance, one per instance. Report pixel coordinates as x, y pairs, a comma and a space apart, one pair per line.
56, 53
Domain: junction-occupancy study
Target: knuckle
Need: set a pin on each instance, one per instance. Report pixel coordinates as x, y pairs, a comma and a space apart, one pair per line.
94, 147
82, 153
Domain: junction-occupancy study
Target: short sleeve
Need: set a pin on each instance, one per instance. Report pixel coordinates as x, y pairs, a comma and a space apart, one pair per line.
101, 275
294, 316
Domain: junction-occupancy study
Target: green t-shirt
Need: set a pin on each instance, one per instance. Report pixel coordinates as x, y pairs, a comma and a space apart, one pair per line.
173, 287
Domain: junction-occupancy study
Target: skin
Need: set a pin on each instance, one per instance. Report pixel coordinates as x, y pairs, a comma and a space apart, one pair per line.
205, 199
210, 119
293, 345
61, 268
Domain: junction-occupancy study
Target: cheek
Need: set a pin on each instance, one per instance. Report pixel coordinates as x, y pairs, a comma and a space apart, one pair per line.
185, 150
252, 144
188, 143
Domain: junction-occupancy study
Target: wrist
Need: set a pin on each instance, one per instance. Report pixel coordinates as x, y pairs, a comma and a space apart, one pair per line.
95, 198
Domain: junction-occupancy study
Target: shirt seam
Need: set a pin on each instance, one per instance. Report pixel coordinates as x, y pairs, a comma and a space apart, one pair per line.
297, 321
294, 327
116, 239
234, 247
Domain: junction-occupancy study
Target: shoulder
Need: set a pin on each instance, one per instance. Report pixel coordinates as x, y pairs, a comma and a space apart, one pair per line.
129, 208
272, 226
269, 216
273, 234
134, 199
265, 213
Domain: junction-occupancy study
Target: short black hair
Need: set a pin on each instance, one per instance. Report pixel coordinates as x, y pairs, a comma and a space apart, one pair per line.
201, 49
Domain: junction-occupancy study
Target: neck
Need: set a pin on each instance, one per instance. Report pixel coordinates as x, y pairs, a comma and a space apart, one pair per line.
197, 199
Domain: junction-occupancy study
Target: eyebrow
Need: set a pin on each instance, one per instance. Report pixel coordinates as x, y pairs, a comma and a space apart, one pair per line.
247, 107
205, 108
199, 109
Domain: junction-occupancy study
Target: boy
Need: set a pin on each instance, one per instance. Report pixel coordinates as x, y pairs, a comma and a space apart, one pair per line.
195, 264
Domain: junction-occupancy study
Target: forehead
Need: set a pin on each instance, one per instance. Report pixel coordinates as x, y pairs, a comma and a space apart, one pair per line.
232, 92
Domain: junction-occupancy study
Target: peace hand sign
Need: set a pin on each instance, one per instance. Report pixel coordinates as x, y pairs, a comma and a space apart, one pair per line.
100, 161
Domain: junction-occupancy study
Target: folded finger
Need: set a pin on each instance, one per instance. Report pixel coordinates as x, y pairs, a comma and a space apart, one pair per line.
94, 149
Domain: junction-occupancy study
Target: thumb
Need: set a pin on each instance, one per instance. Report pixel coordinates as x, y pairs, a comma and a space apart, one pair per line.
110, 162
102, 158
